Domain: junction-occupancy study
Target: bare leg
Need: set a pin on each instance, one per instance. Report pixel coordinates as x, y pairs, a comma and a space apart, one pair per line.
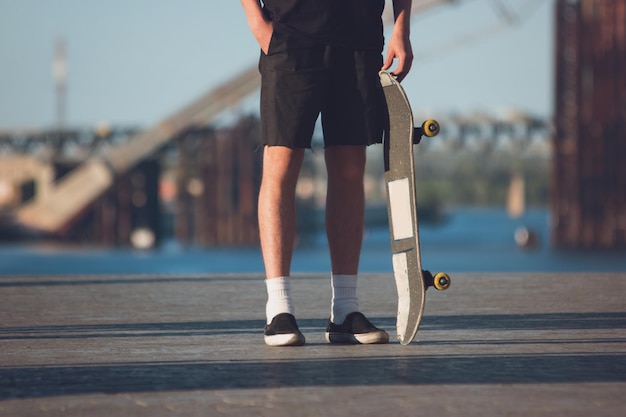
277, 208
345, 206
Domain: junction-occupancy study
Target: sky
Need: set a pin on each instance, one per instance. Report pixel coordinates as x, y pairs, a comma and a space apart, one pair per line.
134, 62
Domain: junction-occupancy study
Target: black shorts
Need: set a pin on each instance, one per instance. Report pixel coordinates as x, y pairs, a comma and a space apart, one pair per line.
302, 79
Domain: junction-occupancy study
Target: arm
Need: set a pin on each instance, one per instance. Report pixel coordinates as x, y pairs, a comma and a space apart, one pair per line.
400, 43
260, 27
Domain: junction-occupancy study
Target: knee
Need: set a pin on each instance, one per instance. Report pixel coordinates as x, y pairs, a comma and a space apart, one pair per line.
346, 165
281, 166
347, 173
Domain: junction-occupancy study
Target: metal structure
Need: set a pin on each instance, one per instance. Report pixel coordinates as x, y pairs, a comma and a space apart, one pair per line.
69, 197
219, 174
109, 158
469, 132
589, 175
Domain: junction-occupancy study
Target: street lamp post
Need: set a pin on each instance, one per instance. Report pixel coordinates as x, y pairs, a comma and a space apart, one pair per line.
59, 74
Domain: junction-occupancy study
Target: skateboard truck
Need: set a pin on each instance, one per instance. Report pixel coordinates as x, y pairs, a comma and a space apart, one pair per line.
429, 129
441, 280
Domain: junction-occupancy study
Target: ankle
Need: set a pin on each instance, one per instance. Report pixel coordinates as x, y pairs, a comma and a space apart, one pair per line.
344, 297
278, 298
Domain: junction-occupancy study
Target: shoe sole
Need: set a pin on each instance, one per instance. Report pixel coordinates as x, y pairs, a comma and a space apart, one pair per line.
374, 338
290, 339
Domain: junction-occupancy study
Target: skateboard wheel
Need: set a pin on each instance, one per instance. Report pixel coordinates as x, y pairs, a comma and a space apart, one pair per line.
430, 128
441, 281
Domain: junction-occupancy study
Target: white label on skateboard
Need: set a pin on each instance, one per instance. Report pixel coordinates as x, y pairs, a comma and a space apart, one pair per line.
401, 274
400, 202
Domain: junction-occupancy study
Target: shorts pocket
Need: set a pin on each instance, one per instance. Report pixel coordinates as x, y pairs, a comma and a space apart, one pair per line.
276, 40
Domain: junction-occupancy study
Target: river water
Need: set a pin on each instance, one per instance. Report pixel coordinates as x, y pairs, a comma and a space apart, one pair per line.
470, 240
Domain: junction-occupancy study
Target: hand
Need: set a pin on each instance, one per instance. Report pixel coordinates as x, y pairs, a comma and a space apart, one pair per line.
263, 34
399, 49
261, 28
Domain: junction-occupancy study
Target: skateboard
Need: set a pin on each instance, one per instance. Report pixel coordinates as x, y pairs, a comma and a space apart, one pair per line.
410, 277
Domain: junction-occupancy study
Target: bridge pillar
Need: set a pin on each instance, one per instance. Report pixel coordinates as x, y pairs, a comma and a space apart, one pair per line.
128, 214
218, 181
588, 201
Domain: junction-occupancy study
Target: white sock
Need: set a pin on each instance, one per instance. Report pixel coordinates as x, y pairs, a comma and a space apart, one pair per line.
345, 300
278, 297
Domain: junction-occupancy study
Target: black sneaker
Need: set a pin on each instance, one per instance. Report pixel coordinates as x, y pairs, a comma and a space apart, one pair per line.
356, 329
283, 331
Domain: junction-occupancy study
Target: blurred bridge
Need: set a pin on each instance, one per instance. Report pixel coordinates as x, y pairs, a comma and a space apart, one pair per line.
588, 199
67, 199
79, 183
476, 132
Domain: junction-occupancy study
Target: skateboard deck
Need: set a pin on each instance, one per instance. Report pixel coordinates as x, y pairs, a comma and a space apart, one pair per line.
410, 277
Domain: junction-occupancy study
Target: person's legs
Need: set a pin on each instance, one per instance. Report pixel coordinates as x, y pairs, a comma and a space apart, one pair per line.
293, 76
345, 204
352, 118
345, 212
277, 223
277, 209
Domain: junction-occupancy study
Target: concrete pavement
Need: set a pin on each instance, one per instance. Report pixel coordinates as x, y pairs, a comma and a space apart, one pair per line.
192, 345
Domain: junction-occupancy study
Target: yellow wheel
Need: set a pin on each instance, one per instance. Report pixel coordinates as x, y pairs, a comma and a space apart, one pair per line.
441, 281
430, 128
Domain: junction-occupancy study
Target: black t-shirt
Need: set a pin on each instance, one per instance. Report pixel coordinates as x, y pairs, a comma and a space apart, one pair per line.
352, 23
